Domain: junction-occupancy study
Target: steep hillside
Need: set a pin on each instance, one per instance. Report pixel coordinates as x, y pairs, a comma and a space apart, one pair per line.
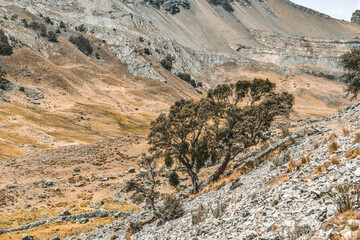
122, 85
274, 200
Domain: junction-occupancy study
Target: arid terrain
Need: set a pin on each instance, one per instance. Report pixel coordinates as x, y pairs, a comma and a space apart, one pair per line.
73, 125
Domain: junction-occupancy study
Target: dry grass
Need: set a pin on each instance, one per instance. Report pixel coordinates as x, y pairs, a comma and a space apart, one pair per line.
292, 165
335, 161
85, 196
332, 137
334, 146
346, 132
277, 181
63, 230
348, 153
357, 138
355, 153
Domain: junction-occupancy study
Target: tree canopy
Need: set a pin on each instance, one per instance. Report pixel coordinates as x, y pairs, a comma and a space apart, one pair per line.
351, 63
232, 118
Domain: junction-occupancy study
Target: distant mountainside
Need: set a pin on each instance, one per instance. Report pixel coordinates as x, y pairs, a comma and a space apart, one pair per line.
145, 54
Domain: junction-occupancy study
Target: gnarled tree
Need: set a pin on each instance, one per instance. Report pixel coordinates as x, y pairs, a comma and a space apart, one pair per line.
243, 113
231, 119
181, 137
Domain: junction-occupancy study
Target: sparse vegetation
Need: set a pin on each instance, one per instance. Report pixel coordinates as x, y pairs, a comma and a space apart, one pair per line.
346, 196
146, 191
167, 62
199, 214
81, 28
174, 179
52, 36
82, 43
187, 78
333, 147
147, 51
48, 20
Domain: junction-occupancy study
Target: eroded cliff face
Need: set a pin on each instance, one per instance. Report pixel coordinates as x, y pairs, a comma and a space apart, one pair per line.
202, 34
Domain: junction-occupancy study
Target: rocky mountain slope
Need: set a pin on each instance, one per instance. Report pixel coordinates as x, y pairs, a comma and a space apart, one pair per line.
271, 202
122, 85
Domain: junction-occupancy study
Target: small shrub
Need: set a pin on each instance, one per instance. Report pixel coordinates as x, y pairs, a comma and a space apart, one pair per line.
134, 227
174, 179
58, 30
173, 208
219, 210
14, 17
334, 146
147, 51
81, 28
346, 196
42, 29
82, 43
52, 36
199, 215
34, 25
48, 20
141, 39
97, 55
167, 62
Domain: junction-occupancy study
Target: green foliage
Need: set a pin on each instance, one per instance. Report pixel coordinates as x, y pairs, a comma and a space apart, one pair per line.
52, 36
167, 62
82, 43
219, 126
5, 47
174, 179
181, 136
351, 63
81, 28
